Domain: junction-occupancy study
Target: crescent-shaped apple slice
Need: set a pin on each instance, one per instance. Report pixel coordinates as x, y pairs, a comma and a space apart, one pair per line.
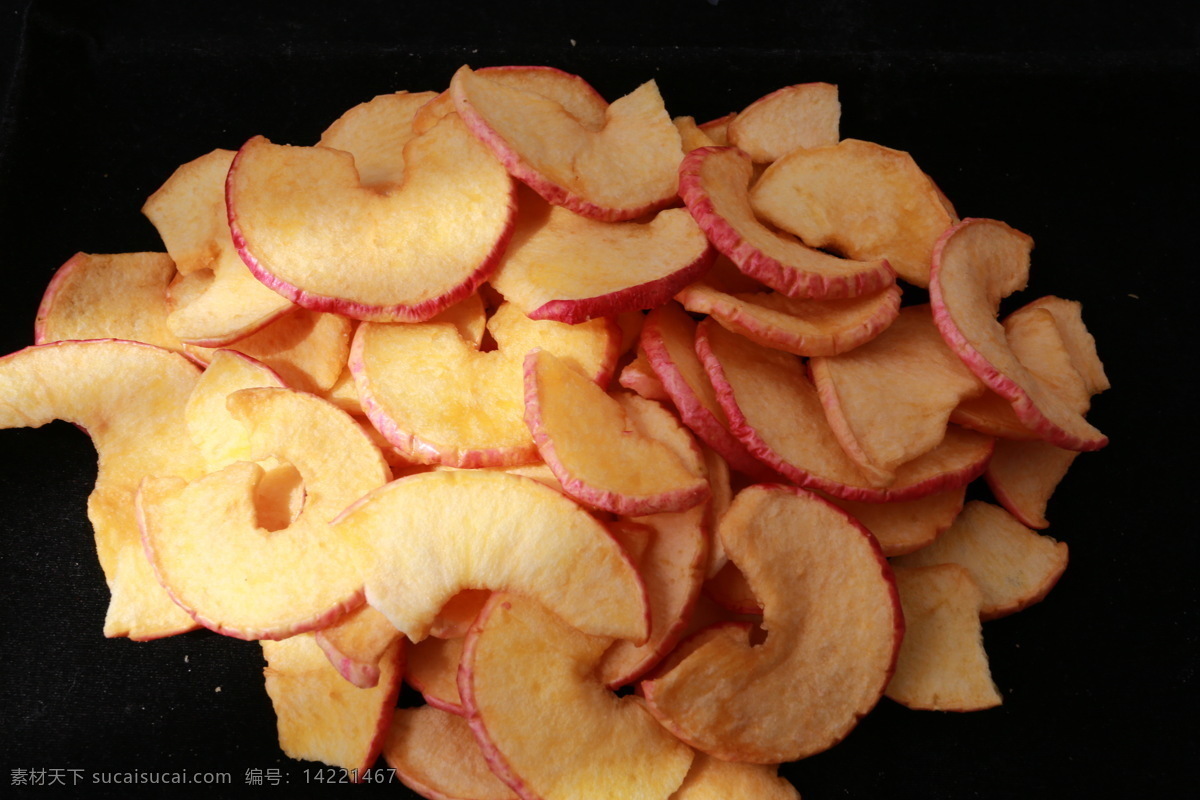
833, 628
307, 228
602, 746
976, 264
491, 530
130, 397
714, 182
435, 754
210, 550
803, 115
621, 171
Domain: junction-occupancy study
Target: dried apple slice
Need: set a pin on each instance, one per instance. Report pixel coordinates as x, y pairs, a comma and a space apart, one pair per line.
562, 266
619, 172
297, 235
753, 382
1013, 566
691, 135
491, 530
227, 302
803, 115
942, 664
908, 525
375, 133
232, 575
800, 326
859, 199
638, 376
319, 715
976, 264
668, 339
120, 296
714, 182
435, 754
603, 746
713, 779
1024, 475
596, 451
889, 401
130, 398
356, 644
220, 437
1079, 343
833, 628
433, 671
440, 399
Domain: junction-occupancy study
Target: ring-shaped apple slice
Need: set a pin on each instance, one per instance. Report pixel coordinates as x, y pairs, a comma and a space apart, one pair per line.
307, 228
714, 182
602, 745
977, 263
130, 398
833, 624
434, 534
232, 575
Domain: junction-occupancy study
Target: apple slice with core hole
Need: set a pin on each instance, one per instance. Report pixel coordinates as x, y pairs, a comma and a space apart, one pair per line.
322, 717
603, 746
976, 264
1013, 566
803, 115
624, 170
130, 398
562, 266
491, 530
714, 183
859, 199
435, 754
227, 571
833, 626
297, 233
942, 664
596, 451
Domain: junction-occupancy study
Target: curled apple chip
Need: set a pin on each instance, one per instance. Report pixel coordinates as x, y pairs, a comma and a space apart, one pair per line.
1024, 475
942, 664
221, 437
433, 671
231, 574
833, 626
130, 398
1013, 566
118, 296
375, 133
307, 228
976, 264
639, 377
602, 746
226, 302
356, 644
713, 779
803, 115
597, 451
322, 717
908, 525
859, 199
435, 754
621, 171
714, 182
490, 530
560, 265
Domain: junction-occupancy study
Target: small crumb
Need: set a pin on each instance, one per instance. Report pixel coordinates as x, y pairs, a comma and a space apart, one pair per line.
572, 43
185, 659
1135, 297
218, 689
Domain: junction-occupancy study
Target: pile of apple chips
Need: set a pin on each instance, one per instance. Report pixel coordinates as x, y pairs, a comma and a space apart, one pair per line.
610, 433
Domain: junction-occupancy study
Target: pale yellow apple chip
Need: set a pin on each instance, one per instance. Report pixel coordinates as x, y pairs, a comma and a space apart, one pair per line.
859, 199
833, 626
121, 296
375, 133
231, 574
601, 745
908, 525
490, 530
319, 715
435, 754
560, 265
597, 452
1024, 475
621, 171
942, 664
221, 438
130, 398
226, 302
638, 376
691, 135
1013, 566
433, 671
713, 779
440, 399
356, 643
803, 115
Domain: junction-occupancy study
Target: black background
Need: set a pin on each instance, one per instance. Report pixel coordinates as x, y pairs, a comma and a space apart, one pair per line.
1072, 124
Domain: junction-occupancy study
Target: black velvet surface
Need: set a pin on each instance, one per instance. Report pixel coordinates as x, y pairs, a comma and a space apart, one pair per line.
1072, 125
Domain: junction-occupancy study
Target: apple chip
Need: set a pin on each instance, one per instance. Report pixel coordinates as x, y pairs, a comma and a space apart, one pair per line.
803, 115
222, 438
908, 525
356, 644
435, 754
1024, 475
639, 377
859, 199
1013, 566
375, 133
713, 779
942, 664
433, 671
